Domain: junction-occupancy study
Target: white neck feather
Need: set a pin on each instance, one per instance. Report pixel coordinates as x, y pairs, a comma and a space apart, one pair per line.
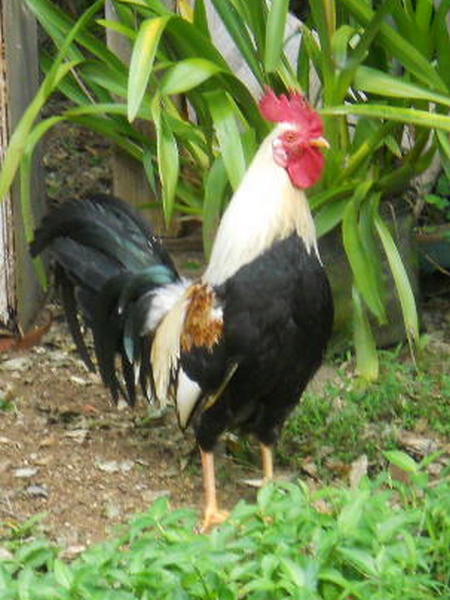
264, 209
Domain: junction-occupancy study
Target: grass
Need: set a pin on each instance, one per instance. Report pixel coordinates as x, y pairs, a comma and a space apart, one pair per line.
382, 541
349, 418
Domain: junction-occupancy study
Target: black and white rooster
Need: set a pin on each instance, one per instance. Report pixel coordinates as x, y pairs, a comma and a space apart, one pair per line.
234, 349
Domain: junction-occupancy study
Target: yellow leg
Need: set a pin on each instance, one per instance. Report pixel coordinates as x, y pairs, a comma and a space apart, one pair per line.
267, 463
212, 516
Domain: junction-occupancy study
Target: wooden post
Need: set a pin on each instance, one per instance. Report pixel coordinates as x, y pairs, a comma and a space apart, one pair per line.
20, 295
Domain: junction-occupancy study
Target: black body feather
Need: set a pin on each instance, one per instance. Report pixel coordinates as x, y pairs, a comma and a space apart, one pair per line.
278, 314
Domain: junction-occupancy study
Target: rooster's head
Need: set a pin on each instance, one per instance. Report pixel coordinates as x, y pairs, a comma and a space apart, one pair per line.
299, 136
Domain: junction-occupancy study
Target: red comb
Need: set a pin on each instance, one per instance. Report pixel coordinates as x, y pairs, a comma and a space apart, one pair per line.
292, 109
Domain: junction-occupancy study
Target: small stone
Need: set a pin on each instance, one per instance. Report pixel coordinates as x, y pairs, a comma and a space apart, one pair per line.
37, 491
21, 363
25, 472
112, 510
79, 380
114, 466
72, 552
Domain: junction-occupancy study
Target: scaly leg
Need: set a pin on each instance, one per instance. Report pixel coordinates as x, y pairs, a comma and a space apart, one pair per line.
212, 516
267, 468
267, 463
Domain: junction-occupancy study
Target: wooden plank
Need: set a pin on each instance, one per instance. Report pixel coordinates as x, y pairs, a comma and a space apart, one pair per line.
20, 295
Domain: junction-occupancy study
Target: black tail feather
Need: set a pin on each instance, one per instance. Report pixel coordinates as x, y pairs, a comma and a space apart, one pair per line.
128, 376
70, 309
108, 264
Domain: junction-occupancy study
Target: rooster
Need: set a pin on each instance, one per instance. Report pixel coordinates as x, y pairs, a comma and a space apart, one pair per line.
234, 349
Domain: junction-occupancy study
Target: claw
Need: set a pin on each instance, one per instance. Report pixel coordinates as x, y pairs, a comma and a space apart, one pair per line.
213, 518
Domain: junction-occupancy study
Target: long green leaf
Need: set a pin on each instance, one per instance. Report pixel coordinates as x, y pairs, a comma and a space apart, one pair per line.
360, 262
115, 82
329, 216
168, 158
441, 36
376, 82
18, 139
358, 55
224, 112
57, 72
109, 128
142, 58
421, 118
444, 150
71, 86
402, 283
63, 32
188, 74
275, 28
25, 191
118, 27
237, 30
399, 46
215, 185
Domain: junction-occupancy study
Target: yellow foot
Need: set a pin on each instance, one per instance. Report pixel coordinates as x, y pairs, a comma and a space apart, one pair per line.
213, 518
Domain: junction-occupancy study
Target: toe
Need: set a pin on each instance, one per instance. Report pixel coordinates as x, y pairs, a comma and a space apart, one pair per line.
213, 518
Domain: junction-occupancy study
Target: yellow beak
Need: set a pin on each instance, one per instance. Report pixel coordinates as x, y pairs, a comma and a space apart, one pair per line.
319, 142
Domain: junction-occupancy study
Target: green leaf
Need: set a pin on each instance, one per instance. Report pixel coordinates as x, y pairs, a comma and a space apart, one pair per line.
444, 151
350, 516
188, 74
25, 584
25, 191
118, 27
63, 574
399, 46
275, 28
402, 283
232, 20
421, 118
294, 571
201, 18
142, 58
215, 186
329, 216
401, 460
360, 559
360, 263
115, 82
377, 82
224, 113
367, 364
168, 158
18, 139
63, 32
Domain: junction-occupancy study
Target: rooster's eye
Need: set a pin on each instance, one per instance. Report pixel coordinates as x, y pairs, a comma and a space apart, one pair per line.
290, 136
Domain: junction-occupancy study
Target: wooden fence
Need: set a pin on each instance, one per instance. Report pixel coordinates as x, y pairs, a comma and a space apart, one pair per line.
20, 295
